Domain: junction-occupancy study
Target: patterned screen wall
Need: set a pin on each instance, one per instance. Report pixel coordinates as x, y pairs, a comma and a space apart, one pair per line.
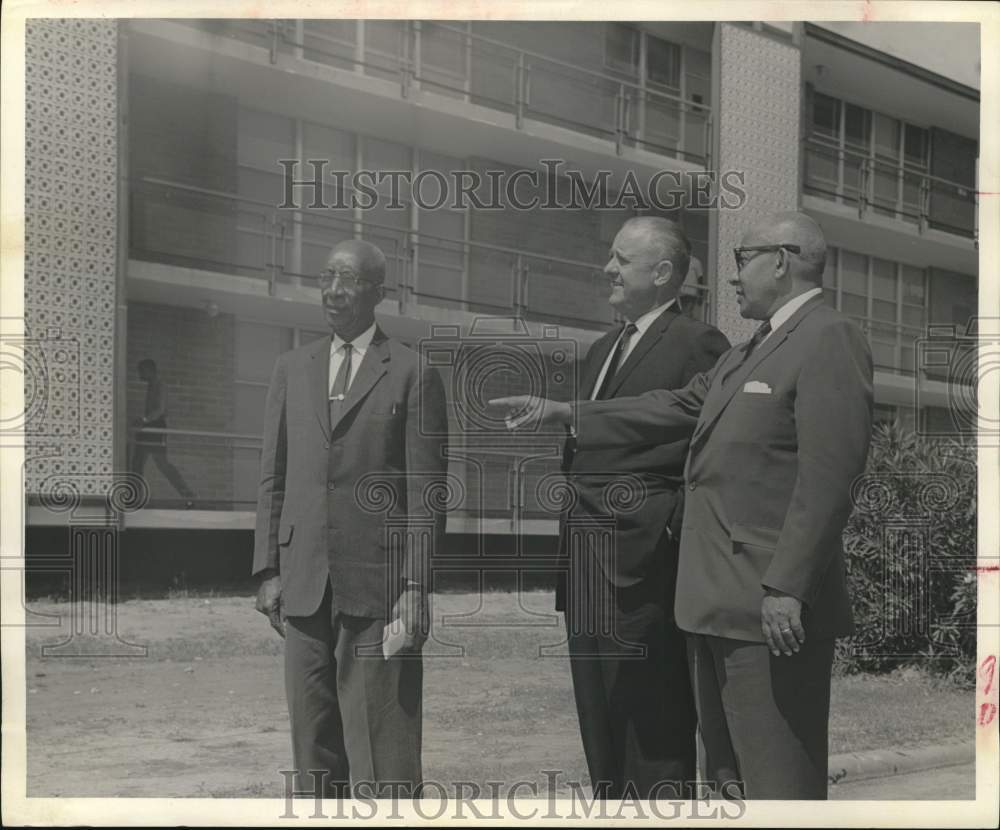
760, 88
71, 157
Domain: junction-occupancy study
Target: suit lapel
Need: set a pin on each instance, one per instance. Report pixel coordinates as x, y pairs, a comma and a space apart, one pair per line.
595, 360
318, 377
646, 342
373, 366
722, 393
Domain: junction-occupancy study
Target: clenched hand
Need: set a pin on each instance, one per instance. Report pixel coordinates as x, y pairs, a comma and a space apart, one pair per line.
269, 601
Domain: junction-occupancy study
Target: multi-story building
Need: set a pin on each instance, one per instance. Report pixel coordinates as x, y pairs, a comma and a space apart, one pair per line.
158, 203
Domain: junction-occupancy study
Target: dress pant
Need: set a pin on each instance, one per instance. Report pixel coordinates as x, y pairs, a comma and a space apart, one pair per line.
764, 720
630, 679
355, 717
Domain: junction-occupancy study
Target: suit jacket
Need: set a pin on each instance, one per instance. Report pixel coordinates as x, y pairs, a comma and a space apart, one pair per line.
672, 350
329, 492
768, 474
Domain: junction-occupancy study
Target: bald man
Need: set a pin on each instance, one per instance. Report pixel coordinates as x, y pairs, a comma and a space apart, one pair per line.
355, 435
627, 656
781, 427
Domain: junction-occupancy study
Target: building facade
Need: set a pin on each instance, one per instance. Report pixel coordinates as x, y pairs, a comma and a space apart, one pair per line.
159, 160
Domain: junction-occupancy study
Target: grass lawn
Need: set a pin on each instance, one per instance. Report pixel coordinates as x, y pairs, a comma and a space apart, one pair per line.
203, 713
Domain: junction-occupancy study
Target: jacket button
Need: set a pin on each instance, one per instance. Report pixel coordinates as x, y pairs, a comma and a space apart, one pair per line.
331, 486
693, 485
326, 446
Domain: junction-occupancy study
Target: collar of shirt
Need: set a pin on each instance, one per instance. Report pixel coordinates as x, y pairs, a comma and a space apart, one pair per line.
788, 309
359, 345
642, 323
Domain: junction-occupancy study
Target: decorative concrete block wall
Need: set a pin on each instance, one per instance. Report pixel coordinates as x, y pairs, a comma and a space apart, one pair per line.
71, 178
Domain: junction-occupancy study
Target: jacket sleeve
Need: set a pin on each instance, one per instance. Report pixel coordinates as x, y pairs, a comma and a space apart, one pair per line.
273, 458
659, 416
426, 470
833, 421
705, 352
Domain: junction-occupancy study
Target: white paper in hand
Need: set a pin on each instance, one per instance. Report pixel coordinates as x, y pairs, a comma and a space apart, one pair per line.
393, 638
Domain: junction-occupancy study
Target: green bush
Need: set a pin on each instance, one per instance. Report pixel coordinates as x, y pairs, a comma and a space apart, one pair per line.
911, 557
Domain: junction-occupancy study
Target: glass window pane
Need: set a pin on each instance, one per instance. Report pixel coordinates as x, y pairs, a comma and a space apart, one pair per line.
257, 348
884, 279
886, 136
307, 336
882, 310
854, 272
620, 47
854, 305
913, 285
322, 142
826, 115
264, 138
913, 315
915, 146
663, 62
857, 125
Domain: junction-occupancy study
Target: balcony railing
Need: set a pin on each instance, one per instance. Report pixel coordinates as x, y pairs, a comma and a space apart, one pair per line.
893, 345
222, 470
208, 229
888, 188
452, 61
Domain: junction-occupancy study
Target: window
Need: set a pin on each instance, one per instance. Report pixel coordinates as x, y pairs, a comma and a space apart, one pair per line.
663, 63
889, 299
621, 48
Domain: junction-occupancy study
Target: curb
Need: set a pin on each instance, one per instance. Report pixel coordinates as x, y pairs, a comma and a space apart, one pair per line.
881, 763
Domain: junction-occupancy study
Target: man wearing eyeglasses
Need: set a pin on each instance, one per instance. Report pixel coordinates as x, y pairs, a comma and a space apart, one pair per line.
354, 438
781, 427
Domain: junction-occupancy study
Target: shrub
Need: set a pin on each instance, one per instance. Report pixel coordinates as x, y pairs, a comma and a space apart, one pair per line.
911, 556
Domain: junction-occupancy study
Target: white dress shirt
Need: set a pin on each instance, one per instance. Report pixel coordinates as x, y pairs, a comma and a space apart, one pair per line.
789, 308
641, 324
359, 345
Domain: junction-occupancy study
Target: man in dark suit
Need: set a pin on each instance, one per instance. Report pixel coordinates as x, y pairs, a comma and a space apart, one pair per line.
630, 679
354, 424
781, 427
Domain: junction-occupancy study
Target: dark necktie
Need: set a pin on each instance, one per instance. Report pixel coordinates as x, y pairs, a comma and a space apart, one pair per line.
340, 386
763, 330
616, 358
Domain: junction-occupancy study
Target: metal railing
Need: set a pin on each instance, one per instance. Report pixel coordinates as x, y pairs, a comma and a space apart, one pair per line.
251, 237
452, 61
889, 188
893, 345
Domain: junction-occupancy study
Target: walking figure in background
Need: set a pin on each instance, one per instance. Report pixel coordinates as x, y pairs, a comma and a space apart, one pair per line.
154, 444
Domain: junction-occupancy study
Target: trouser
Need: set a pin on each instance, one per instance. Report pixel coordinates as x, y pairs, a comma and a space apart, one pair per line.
158, 454
764, 720
355, 717
630, 679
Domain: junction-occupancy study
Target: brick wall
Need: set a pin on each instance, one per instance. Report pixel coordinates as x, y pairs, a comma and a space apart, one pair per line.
195, 357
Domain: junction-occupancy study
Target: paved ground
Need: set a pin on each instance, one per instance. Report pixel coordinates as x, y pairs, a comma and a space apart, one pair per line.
943, 784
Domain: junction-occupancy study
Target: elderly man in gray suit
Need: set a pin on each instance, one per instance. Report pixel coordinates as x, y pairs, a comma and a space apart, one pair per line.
344, 415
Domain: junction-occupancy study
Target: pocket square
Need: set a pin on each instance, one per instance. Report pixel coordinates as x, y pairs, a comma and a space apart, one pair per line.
757, 387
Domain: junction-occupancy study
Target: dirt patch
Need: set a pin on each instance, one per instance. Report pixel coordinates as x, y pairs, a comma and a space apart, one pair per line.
203, 712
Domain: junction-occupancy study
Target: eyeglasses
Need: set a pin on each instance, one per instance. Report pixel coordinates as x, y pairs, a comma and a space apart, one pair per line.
348, 278
741, 253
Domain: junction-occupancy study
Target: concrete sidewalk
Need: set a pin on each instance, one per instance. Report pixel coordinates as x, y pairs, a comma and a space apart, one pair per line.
881, 763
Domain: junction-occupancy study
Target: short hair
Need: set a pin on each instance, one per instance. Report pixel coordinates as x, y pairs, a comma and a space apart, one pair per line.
668, 241
147, 363
370, 258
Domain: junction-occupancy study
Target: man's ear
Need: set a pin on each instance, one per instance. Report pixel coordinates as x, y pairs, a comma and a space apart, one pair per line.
663, 272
